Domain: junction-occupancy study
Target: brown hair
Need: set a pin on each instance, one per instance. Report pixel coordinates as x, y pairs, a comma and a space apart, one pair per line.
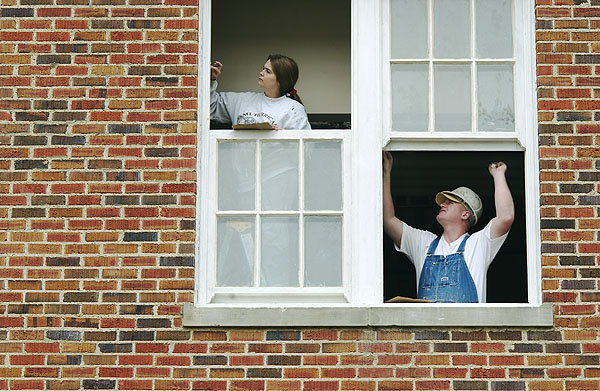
286, 71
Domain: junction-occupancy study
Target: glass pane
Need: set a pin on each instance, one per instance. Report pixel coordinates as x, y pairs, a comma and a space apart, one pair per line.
410, 97
235, 251
279, 251
451, 29
495, 97
323, 251
452, 97
236, 176
323, 175
279, 170
493, 24
408, 28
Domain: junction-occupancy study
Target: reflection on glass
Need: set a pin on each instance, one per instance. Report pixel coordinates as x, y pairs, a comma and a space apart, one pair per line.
495, 97
408, 29
323, 251
323, 175
279, 175
410, 97
279, 251
235, 251
451, 29
452, 97
236, 175
493, 26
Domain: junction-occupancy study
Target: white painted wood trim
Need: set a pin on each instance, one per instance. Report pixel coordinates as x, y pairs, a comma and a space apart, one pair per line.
527, 103
203, 123
365, 172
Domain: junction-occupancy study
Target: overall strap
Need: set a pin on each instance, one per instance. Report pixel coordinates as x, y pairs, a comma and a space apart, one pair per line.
461, 248
433, 246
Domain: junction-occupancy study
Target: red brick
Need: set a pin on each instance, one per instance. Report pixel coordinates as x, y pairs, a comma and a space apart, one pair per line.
53, 12
151, 347
115, 372
135, 385
432, 385
321, 385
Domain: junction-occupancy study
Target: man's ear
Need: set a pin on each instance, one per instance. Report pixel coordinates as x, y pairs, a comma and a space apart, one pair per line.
465, 215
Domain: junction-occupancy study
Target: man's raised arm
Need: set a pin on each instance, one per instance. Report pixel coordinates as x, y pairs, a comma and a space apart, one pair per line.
505, 209
391, 224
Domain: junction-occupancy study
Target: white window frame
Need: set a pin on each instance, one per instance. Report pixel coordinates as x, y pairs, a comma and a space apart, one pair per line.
363, 198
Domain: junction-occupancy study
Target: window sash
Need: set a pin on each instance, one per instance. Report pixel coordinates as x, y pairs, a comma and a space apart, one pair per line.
208, 228
522, 12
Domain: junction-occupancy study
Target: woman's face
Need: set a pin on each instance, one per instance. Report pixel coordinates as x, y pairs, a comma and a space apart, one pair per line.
267, 79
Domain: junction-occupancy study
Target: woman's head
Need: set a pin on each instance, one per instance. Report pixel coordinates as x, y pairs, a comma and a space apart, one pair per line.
285, 71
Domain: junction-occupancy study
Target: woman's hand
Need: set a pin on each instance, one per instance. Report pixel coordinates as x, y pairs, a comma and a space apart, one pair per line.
275, 127
215, 70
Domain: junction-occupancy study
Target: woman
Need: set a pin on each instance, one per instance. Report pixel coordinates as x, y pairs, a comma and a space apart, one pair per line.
279, 105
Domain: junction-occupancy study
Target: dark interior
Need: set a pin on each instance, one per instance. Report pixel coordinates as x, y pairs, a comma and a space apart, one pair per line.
416, 179
317, 121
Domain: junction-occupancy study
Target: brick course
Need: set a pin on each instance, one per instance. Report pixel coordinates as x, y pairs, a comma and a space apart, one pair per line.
97, 207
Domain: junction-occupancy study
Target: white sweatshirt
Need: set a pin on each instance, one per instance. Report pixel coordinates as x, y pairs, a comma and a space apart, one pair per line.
254, 107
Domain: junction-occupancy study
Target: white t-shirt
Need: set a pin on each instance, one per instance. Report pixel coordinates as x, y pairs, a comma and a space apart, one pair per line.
480, 251
254, 107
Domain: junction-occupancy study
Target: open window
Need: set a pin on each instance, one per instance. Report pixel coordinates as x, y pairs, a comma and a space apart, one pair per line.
316, 34
416, 179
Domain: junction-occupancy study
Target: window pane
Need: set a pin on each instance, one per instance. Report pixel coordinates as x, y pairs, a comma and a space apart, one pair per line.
451, 37
279, 251
279, 175
323, 251
493, 22
452, 97
236, 176
410, 97
409, 28
323, 175
495, 97
235, 251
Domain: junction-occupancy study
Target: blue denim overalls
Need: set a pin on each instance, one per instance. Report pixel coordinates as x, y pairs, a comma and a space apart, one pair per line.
446, 279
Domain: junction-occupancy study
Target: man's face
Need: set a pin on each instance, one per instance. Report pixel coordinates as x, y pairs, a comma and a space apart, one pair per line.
451, 211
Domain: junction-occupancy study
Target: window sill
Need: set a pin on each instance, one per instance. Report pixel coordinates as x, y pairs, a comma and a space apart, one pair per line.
480, 315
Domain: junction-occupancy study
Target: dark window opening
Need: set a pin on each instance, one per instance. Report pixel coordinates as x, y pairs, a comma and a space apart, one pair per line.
315, 33
416, 179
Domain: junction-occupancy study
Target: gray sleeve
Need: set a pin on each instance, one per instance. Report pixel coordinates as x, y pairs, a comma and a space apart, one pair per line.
297, 118
218, 104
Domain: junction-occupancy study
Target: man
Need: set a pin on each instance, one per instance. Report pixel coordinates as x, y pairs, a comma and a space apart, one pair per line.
452, 268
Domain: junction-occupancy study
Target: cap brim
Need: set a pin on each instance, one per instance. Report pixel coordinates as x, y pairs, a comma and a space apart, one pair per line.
446, 195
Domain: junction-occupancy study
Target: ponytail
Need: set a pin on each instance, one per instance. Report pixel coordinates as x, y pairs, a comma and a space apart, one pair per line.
286, 71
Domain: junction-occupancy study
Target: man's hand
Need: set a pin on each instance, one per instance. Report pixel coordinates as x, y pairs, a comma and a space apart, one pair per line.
215, 70
497, 168
387, 161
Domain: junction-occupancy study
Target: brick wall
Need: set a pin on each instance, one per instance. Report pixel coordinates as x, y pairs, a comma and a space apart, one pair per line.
97, 207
